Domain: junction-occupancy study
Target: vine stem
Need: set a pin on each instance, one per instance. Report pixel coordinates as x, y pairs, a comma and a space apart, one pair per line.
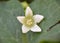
24, 4
24, 38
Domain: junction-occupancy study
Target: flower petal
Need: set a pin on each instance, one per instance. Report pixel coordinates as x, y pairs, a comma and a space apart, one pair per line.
28, 11
25, 29
38, 18
20, 18
36, 29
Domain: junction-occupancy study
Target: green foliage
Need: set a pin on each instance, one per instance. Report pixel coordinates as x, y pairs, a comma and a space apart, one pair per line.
10, 28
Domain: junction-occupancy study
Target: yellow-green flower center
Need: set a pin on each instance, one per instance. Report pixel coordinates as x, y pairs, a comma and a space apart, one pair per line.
29, 21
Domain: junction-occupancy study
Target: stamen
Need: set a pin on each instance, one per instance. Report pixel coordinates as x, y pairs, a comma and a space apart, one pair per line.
29, 22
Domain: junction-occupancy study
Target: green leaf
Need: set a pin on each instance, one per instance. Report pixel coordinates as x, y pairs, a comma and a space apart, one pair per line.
50, 9
10, 28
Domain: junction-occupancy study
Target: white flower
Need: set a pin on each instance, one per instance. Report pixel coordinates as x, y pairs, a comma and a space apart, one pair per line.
29, 21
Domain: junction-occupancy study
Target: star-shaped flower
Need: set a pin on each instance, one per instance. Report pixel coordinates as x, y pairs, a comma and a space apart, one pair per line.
29, 21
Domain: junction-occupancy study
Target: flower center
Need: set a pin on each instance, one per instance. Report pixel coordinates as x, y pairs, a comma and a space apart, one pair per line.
29, 21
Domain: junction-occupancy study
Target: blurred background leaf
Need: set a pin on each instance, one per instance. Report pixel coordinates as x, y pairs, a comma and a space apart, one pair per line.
50, 9
10, 28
